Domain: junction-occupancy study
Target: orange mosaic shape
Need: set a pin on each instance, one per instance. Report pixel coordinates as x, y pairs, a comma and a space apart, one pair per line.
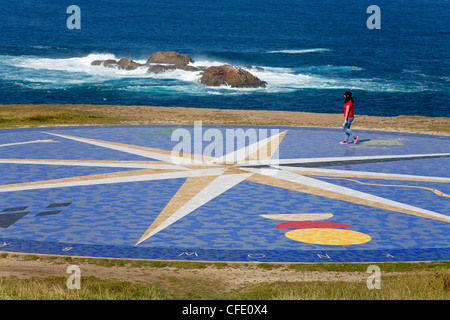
328, 236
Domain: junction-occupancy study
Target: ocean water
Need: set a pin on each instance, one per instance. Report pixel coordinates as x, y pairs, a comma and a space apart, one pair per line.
311, 53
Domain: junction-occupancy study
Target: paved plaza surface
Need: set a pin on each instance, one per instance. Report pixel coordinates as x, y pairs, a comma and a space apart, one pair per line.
188, 192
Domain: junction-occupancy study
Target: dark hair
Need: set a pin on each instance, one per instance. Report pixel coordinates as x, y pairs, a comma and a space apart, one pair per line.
348, 96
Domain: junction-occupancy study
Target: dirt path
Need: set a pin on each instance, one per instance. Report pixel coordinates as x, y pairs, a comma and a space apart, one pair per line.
232, 276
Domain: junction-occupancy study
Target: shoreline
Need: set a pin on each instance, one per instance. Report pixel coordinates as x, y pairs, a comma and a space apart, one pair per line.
38, 115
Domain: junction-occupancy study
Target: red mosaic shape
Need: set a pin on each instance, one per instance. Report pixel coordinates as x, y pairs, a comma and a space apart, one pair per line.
311, 224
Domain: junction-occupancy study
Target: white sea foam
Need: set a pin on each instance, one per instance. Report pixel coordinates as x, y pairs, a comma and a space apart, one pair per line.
208, 63
300, 51
81, 65
77, 64
332, 68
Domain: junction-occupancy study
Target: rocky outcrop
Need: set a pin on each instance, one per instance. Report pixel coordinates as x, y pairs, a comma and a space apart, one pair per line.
125, 64
190, 68
170, 57
128, 64
233, 76
160, 68
164, 61
106, 63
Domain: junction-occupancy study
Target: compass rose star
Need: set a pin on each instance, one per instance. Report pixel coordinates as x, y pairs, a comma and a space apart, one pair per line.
208, 177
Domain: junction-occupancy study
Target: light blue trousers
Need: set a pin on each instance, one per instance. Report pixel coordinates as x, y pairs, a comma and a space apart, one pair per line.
348, 133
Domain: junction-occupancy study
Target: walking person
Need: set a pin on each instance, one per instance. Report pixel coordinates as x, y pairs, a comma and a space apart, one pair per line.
348, 119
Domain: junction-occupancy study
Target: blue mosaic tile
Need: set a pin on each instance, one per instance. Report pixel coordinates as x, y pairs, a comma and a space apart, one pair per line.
107, 220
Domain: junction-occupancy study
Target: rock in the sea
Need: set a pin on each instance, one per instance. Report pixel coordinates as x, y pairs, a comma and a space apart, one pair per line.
128, 64
170, 57
160, 68
189, 68
164, 61
233, 76
161, 61
110, 63
256, 68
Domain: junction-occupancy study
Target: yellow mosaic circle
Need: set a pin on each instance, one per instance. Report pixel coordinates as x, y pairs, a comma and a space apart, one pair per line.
328, 236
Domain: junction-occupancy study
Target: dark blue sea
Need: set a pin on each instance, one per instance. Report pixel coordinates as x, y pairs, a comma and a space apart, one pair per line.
311, 52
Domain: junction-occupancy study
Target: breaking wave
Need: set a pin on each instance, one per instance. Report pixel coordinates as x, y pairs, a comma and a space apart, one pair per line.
300, 51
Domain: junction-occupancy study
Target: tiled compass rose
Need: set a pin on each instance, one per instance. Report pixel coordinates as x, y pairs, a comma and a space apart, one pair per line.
295, 195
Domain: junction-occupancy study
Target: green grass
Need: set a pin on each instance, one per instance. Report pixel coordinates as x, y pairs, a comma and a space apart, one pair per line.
48, 115
429, 286
385, 267
91, 288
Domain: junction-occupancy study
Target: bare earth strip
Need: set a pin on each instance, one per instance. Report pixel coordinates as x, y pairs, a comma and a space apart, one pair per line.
233, 276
